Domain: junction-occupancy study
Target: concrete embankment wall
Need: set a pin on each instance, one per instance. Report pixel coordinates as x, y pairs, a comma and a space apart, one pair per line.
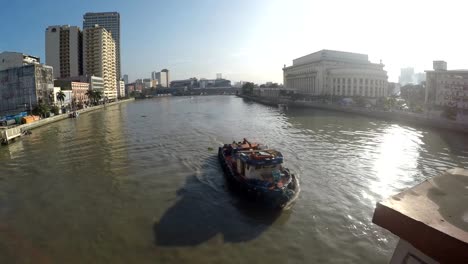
53, 119
406, 117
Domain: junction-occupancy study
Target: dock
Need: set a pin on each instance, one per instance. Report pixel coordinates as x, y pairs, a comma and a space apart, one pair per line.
10, 134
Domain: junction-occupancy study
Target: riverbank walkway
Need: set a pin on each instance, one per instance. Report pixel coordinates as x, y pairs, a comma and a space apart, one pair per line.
401, 116
26, 127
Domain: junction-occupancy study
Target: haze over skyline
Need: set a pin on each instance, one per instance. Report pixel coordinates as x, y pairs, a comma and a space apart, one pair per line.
252, 40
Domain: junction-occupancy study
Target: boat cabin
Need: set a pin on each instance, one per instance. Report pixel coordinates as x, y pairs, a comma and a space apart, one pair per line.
260, 164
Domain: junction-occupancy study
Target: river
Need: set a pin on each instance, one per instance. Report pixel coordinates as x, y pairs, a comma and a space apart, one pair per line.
140, 182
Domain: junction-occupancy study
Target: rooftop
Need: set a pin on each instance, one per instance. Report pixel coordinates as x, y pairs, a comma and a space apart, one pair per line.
332, 55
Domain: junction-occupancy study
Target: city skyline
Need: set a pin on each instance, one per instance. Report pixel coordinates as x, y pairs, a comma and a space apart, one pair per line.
252, 41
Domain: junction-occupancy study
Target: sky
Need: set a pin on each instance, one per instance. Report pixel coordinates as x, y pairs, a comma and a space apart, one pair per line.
251, 40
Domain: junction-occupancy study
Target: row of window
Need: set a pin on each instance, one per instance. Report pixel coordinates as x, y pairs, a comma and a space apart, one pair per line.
355, 81
367, 91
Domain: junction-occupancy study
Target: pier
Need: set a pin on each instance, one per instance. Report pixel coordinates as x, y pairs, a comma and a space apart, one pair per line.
10, 134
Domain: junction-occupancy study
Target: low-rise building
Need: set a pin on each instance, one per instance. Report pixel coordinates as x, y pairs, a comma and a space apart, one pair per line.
147, 82
216, 83
122, 89
267, 92
79, 90
10, 60
67, 99
129, 88
188, 83
338, 73
154, 83
446, 87
22, 88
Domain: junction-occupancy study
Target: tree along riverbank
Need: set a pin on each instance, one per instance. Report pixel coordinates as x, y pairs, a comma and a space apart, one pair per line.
401, 116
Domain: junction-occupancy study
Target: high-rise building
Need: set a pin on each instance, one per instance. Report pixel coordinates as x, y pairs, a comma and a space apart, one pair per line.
111, 22
165, 80
162, 77
406, 76
64, 50
99, 58
125, 78
219, 76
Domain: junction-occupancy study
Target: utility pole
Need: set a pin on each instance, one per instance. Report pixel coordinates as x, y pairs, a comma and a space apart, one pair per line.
30, 106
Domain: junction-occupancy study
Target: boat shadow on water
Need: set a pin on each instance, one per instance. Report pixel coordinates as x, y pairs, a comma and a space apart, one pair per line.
209, 209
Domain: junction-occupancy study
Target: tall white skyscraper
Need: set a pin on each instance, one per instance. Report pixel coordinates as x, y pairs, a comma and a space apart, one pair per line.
99, 58
64, 50
111, 22
162, 77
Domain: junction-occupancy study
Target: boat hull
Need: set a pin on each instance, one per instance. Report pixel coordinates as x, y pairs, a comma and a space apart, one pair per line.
274, 199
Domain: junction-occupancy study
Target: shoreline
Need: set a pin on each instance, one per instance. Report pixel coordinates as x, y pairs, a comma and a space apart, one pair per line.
53, 119
406, 117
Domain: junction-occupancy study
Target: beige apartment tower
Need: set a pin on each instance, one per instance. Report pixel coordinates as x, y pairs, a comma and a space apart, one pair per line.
64, 50
99, 58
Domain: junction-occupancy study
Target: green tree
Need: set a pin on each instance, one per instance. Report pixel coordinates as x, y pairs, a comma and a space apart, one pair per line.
94, 96
54, 109
41, 109
247, 88
90, 93
61, 96
97, 96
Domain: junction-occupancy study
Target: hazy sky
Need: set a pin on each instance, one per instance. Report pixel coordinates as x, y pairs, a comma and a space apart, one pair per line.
252, 39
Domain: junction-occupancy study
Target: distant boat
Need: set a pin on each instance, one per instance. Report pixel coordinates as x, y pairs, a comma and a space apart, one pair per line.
259, 173
74, 114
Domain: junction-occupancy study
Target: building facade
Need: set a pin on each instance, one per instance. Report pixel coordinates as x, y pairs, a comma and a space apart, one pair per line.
67, 99
267, 92
337, 73
147, 83
99, 59
446, 87
16, 59
188, 83
79, 91
64, 50
22, 88
111, 22
125, 78
162, 77
217, 83
121, 89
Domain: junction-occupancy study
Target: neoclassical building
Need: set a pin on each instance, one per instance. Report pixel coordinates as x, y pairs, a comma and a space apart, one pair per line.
338, 73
